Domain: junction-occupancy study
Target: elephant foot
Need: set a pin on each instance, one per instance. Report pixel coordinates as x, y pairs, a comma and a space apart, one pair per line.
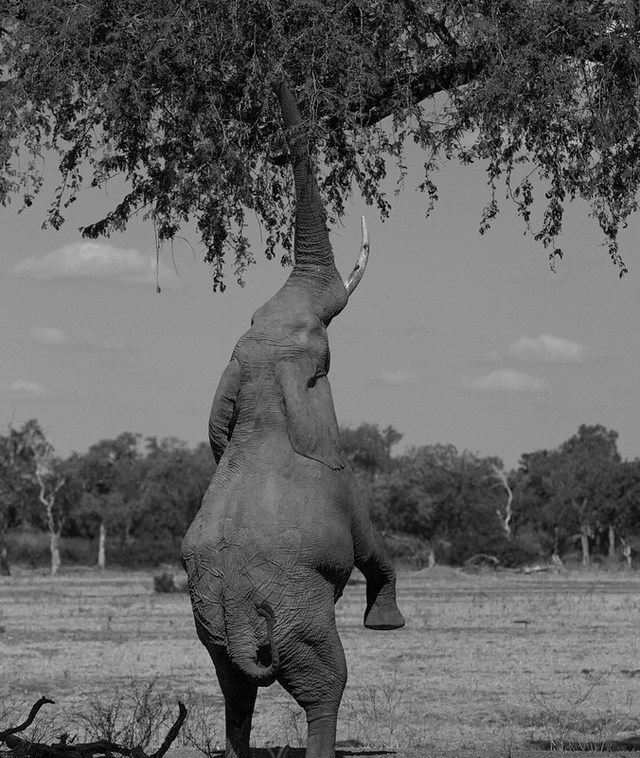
383, 616
321, 735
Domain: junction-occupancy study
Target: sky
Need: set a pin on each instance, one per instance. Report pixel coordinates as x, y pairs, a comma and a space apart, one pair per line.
451, 337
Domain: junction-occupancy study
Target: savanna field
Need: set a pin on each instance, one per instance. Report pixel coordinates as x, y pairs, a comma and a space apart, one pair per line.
493, 663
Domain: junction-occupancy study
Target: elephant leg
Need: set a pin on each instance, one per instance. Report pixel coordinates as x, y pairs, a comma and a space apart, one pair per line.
382, 611
314, 672
239, 701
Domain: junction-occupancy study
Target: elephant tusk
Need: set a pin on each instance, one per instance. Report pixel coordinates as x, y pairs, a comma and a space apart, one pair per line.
358, 270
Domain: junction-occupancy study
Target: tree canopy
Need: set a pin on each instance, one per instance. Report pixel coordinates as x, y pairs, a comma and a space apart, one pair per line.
176, 98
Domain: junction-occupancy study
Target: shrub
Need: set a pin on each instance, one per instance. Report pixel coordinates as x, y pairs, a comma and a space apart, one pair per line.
141, 553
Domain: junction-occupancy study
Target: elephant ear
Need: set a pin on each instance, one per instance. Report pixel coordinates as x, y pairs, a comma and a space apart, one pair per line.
222, 418
311, 421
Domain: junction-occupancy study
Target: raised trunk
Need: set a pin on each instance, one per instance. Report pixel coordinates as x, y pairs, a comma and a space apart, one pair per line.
311, 242
102, 541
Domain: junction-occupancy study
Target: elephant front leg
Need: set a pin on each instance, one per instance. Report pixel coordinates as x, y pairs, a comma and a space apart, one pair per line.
382, 611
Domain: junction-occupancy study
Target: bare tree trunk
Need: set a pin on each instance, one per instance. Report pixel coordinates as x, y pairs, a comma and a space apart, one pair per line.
506, 516
102, 540
584, 543
5, 570
612, 542
48, 500
557, 560
54, 546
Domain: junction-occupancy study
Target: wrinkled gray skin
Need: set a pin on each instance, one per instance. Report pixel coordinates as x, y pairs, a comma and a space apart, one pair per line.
282, 525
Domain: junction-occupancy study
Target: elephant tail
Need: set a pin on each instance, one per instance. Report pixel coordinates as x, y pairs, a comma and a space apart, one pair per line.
244, 654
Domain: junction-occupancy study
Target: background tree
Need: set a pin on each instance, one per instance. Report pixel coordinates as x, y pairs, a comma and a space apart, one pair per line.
39, 464
450, 501
590, 457
111, 472
175, 97
368, 450
13, 494
504, 512
175, 482
626, 497
570, 491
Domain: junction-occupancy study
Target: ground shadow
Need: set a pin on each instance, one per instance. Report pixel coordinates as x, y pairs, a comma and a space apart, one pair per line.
300, 752
601, 746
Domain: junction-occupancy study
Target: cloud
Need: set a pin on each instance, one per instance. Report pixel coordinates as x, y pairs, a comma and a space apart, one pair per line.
52, 336
22, 388
547, 349
504, 380
399, 377
92, 260
47, 335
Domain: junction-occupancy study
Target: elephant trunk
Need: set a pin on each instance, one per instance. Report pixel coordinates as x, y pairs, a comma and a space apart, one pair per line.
314, 265
311, 241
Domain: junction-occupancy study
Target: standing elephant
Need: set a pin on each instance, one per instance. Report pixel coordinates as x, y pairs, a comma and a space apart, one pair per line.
282, 525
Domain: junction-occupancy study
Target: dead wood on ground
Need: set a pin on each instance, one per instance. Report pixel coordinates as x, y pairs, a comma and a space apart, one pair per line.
21, 748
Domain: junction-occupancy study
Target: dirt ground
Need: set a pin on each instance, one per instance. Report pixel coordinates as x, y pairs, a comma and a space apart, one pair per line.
489, 664
430, 753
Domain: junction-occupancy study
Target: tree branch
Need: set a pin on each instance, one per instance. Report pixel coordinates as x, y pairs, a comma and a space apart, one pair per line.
29, 720
423, 84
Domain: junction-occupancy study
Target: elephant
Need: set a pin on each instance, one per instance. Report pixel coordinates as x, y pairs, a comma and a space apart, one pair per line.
282, 525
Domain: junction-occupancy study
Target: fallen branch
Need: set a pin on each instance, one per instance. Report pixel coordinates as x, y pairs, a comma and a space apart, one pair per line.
534, 569
21, 748
34, 710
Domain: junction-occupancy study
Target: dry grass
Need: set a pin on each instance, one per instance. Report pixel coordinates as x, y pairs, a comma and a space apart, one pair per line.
492, 660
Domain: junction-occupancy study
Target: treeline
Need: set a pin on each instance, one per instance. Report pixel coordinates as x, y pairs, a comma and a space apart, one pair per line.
579, 501
128, 501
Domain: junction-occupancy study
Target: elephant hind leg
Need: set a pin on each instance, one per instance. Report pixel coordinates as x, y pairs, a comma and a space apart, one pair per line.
315, 674
239, 701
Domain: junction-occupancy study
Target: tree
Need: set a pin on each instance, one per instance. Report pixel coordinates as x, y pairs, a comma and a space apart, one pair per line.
172, 491
368, 449
448, 500
176, 98
505, 513
111, 472
45, 470
570, 491
11, 484
591, 459
626, 489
